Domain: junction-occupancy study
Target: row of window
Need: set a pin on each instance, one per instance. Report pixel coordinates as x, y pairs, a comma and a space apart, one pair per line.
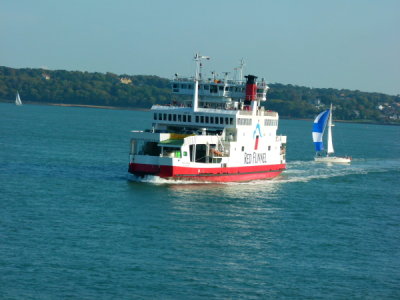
172, 117
268, 122
209, 119
244, 121
188, 119
210, 87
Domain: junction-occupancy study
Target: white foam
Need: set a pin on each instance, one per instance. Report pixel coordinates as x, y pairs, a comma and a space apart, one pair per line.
158, 180
303, 171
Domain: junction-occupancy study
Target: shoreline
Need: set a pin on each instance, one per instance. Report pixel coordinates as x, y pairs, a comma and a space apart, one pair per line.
148, 109
93, 106
80, 105
342, 121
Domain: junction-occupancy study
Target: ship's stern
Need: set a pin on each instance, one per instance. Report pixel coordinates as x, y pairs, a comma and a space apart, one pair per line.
154, 153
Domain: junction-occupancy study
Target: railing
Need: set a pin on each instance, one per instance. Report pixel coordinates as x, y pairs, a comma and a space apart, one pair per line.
259, 113
270, 113
208, 80
221, 144
245, 112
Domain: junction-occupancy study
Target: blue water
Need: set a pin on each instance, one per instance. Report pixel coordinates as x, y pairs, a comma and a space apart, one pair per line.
74, 226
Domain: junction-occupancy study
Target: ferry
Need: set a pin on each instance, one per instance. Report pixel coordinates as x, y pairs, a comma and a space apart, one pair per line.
218, 132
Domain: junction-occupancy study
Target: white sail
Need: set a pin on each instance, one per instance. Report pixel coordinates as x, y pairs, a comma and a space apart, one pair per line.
18, 100
318, 131
329, 149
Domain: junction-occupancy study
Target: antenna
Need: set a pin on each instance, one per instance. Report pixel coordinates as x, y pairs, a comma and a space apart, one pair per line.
226, 76
241, 67
197, 59
238, 72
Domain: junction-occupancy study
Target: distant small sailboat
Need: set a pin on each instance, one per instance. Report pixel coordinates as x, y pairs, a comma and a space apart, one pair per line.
322, 121
18, 100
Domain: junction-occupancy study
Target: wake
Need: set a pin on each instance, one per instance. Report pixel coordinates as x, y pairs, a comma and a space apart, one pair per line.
303, 171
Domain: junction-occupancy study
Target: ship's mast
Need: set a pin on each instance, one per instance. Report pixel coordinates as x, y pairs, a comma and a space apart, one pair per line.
226, 77
240, 69
197, 59
329, 149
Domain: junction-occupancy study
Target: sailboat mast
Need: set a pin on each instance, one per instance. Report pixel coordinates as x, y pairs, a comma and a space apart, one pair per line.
329, 142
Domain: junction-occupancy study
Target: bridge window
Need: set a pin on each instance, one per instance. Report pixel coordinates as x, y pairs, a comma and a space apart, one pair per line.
197, 119
184, 118
174, 117
207, 119
169, 117
189, 118
155, 116
201, 119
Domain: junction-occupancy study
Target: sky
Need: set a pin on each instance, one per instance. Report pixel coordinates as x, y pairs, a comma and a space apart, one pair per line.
343, 44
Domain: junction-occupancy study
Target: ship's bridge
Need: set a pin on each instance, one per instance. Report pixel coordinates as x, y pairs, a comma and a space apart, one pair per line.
215, 90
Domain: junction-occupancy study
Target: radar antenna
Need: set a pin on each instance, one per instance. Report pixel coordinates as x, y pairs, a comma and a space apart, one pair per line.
197, 59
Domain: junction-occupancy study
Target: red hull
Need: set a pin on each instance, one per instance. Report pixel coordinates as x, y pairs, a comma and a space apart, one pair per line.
208, 174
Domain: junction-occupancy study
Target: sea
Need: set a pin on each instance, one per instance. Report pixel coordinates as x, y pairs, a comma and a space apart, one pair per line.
75, 225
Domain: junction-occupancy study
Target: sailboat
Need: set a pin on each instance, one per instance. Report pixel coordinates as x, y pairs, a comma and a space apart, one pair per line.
18, 100
323, 120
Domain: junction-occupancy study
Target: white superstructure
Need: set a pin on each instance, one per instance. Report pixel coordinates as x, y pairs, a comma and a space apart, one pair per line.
221, 133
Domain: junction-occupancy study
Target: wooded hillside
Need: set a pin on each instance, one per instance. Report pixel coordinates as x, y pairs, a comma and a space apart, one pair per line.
139, 91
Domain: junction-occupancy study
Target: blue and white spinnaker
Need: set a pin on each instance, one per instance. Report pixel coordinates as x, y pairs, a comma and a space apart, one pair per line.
319, 128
